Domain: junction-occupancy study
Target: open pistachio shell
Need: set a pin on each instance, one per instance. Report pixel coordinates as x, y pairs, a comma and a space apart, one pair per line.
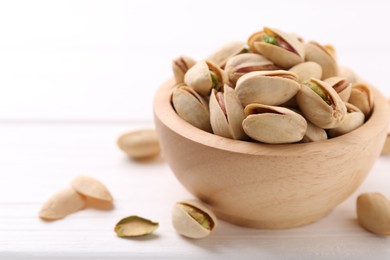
193, 219
362, 98
273, 125
227, 114
267, 87
322, 106
341, 86
244, 63
319, 54
307, 70
347, 74
314, 133
134, 226
180, 66
353, 119
91, 187
285, 52
191, 107
204, 76
231, 49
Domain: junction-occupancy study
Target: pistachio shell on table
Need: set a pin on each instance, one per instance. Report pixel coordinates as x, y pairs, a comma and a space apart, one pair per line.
91, 187
320, 104
204, 76
319, 54
180, 66
347, 74
341, 86
307, 70
273, 125
314, 133
267, 87
283, 49
244, 63
191, 107
139, 144
353, 119
362, 98
231, 49
134, 226
226, 114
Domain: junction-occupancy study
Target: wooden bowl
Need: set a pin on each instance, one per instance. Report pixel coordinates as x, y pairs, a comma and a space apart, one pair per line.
268, 186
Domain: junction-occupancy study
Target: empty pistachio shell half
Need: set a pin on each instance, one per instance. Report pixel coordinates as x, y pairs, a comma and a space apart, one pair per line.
341, 86
139, 144
373, 212
231, 49
90, 187
134, 226
191, 107
283, 49
319, 54
307, 70
314, 133
227, 114
267, 87
353, 119
244, 63
273, 125
362, 98
180, 66
193, 219
320, 104
204, 76
61, 204
347, 74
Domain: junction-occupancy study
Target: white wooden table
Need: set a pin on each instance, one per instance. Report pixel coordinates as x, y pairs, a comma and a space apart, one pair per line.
76, 74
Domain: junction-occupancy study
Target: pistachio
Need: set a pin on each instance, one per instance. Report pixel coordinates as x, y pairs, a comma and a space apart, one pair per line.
191, 107
319, 54
90, 187
61, 204
347, 74
314, 133
134, 226
341, 86
180, 66
139, 144
193, 219
273, 125
227, 51
267, 87
373, 212
307, 70
353, 119
362, 98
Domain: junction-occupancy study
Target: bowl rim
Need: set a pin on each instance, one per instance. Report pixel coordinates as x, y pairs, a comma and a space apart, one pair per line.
164, 112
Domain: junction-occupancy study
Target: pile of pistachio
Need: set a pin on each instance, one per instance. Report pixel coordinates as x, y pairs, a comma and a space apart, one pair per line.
274, 89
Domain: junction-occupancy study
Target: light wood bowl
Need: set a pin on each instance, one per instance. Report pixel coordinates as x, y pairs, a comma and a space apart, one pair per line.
268, 186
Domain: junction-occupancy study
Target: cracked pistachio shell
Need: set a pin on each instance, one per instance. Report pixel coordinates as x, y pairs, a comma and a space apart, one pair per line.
307, 70
91, 187
267, 87
362, 98
316, 110
227, 114
191, 107
347, 74
199, 78
314, 133
341, 86
231, 49
180, 66
281, 57
273, 125
319, 54
353, 119
373, 212
139, 144
61, 204
193, 219
244, 63
134, 226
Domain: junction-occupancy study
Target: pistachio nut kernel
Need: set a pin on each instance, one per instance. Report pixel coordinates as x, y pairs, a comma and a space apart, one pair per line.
318, 90
341, 86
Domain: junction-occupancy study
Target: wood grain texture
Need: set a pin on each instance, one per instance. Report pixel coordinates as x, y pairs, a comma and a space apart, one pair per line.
269, 186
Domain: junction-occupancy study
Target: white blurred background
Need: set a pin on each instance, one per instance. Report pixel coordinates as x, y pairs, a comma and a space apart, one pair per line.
103, 60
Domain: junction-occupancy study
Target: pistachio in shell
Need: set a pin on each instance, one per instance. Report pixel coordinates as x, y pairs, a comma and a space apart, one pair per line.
307, 70
135, 226
314, 133
362, 98
191, 107
341, 86
139, 144
320, 104
353, 119
221, 56
180, 66
193, 219
347, 74
273, 125
91, 187
321, 55
227, 114
267, 87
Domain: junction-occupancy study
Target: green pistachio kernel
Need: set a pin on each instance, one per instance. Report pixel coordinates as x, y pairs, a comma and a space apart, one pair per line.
317, 89
269, 39
214, 78
198, 215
